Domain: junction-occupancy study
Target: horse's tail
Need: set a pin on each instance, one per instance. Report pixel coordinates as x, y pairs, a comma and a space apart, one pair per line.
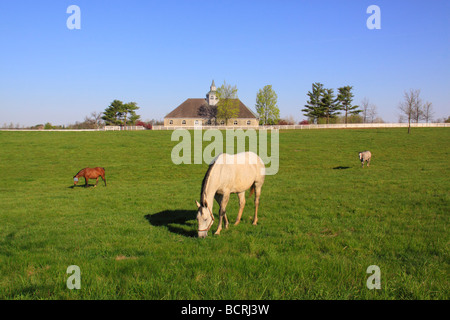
252, 190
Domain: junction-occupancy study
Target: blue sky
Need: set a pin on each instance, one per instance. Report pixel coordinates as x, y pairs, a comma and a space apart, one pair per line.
159, 53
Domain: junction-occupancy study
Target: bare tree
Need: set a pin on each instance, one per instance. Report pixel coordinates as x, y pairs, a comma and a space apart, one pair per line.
372, 113
410, 105
365, 108
427, 112
369, 111
417, 109
96, 117
209, 113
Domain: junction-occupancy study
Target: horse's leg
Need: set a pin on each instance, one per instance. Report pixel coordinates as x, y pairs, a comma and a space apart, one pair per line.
219, 198
222, 212
241, 196
257, 195
86, 182
104, 179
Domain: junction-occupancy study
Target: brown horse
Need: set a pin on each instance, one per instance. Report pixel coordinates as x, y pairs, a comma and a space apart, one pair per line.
90, 173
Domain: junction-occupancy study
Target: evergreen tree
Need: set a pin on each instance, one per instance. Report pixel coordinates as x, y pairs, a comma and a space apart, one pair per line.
113, 113
344, 102
129, 115
119, 113
328, 107
313, 107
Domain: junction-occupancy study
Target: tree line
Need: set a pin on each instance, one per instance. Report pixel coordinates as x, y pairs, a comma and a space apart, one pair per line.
322, 106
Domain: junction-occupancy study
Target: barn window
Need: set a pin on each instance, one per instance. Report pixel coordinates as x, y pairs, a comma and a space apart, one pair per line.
222, 122
183, 122
235, 122
196, 122
249, 122
171, 122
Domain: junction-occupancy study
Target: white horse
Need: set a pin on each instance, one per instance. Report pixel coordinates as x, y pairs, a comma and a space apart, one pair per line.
365, 156
229, 174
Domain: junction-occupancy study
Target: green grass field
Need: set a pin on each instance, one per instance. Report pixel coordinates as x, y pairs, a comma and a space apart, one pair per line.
322, 221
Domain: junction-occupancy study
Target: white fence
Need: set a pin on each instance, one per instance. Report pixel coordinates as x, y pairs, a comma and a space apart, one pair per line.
120, 128
284, 127
315, 126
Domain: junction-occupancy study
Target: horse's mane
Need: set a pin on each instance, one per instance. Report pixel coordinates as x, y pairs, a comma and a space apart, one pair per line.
205, 181
80, 171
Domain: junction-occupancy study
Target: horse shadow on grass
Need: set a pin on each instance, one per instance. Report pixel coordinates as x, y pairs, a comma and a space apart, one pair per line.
82, 186
341, 168
175, 221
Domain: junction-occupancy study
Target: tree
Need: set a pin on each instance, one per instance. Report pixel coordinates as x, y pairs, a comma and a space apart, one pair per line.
427, 111
312, 108
369, 111
129, 113
328, 106
228, 105
208, 112
119, 113
417, 112
372, 113
96, 118
410, 104
113, 113
344, 102
266, 105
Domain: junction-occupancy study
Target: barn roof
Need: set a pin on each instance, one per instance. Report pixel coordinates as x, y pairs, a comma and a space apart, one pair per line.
190, 108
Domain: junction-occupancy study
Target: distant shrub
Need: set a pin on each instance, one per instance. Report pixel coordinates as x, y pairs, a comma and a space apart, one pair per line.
284, 122
146, 125
304, 122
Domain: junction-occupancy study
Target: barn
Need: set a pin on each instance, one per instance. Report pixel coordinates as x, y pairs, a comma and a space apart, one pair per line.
195, 111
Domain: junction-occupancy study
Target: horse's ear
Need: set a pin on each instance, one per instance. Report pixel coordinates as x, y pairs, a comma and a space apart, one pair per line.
198, 204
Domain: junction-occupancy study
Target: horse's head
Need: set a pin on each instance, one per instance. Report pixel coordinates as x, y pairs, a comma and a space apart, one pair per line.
360, 156
75, 180
205, 220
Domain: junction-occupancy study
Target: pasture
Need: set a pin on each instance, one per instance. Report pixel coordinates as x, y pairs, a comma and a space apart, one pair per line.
323, 220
